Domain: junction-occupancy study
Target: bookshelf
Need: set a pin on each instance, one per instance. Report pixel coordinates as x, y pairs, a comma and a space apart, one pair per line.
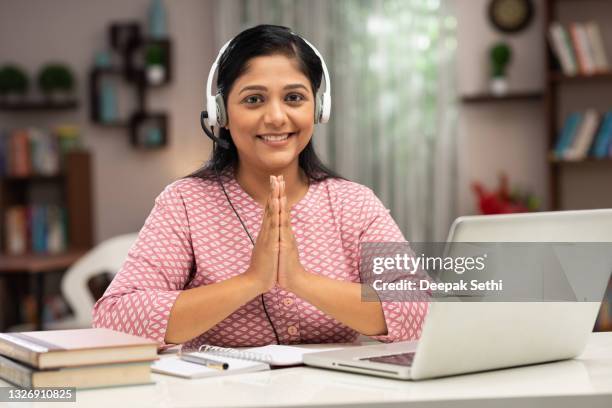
72, 188
26, 278
584, 183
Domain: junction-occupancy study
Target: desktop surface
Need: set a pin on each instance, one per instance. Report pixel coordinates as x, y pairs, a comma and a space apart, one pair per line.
585, 381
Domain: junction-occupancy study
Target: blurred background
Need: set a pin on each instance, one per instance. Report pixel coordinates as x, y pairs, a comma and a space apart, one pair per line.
443, 107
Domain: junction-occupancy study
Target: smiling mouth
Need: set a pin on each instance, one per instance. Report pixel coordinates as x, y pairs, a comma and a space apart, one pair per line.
275, 138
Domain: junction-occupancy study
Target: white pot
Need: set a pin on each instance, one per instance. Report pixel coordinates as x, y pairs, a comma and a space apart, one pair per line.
156, 74
499, 86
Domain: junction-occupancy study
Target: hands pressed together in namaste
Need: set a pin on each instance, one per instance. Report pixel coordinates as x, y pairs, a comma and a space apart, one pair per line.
275, 259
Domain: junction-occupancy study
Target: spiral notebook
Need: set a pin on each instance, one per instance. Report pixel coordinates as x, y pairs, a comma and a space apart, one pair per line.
240, 361
273, 354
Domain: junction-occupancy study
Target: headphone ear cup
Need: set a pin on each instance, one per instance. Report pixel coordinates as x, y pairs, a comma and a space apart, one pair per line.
221, 113
318, 108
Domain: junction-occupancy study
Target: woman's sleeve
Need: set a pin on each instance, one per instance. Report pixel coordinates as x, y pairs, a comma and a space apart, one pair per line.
404, 319
140, 297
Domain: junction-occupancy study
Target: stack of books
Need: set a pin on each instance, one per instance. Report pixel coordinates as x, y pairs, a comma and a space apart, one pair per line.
585, 134
579, 48
83, 358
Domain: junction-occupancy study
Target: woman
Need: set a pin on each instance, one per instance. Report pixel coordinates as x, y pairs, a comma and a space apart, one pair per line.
197, 274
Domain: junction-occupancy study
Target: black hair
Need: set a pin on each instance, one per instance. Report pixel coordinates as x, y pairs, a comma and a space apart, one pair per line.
264, 40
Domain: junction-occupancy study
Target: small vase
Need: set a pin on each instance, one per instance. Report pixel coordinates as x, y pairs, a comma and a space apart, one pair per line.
499, 86
157, 20
156, 74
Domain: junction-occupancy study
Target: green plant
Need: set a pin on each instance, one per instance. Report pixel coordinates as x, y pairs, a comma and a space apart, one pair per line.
55, 77
13, 80
154, 55
500, 55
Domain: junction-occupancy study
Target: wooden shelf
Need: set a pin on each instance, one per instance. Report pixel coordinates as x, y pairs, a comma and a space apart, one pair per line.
34, 178
116, 124
588, 160
39, 106
518, 96
38, 263
557, 77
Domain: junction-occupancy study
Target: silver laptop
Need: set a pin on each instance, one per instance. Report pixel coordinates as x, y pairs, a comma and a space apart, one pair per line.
464, 337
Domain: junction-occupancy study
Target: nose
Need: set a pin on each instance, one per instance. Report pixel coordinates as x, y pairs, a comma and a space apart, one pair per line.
275, 115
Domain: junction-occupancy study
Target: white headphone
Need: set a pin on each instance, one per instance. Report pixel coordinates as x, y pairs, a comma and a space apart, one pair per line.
215, 107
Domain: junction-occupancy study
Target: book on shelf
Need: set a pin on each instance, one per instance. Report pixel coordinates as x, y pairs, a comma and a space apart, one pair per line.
583, 50
16, 230
579, 48
566, 137
36, 228
74, 348
583, 137
33, 151
562, 48
595, 39
585, 134
603, 141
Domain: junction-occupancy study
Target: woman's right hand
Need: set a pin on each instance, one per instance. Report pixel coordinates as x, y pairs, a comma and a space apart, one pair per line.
263, 269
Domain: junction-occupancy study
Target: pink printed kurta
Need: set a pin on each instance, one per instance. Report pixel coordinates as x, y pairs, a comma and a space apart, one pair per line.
193, 238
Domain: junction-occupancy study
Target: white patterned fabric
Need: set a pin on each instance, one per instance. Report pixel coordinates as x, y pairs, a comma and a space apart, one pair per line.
193, 238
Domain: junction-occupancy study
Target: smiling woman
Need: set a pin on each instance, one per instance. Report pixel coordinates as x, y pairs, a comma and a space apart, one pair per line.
196, 274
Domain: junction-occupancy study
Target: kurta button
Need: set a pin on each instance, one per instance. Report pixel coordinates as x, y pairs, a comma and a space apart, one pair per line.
292, 330
288, 301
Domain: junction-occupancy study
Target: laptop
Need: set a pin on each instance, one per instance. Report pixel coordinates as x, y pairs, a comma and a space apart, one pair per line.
464, 337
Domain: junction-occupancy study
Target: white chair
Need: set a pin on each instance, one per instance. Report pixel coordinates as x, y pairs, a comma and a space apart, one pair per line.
106, 257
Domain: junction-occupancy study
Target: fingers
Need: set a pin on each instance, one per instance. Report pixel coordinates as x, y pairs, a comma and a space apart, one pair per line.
286, 234
275, 216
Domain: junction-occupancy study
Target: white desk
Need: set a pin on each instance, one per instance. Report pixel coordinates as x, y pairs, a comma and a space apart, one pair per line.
585, 382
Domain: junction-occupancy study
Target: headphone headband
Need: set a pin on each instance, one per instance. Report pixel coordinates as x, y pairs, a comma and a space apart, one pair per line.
216, 110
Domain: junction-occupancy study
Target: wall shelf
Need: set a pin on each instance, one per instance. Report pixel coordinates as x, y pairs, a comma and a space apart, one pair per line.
557, 77
39, 106
518, 96
588, 160
147, 130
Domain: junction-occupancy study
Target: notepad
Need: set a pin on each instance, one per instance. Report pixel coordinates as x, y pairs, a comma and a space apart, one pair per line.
240, 361
273, 354
185, 369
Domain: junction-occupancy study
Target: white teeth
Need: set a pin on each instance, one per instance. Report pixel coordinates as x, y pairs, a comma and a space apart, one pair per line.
275, 138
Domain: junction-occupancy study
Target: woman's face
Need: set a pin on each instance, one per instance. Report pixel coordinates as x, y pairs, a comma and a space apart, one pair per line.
271, 114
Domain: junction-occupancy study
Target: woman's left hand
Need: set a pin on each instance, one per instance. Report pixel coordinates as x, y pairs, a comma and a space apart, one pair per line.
290, 270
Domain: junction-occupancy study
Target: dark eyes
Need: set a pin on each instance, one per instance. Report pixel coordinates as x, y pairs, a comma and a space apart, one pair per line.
291, 98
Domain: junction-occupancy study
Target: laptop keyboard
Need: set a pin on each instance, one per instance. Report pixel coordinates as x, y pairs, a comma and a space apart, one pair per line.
403, 359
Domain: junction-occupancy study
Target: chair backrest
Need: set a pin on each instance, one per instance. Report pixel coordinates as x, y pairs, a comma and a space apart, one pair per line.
105, 257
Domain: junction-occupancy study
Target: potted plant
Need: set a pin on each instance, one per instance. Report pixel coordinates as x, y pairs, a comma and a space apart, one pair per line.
14, 82
56, 81
154, 60
500, 56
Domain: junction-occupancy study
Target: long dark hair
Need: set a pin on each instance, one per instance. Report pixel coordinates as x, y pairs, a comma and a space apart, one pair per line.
264, 40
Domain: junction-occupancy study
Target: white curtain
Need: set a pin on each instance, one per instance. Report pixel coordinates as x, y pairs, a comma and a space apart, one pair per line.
393, 123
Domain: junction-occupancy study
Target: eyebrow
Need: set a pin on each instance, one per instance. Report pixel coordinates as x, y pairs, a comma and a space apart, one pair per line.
263, 88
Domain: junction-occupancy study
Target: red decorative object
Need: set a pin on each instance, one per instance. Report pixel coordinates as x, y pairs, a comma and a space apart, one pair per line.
502, 201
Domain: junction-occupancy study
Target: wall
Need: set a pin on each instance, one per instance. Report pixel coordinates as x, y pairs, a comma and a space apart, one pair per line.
126, 181
506, 136
499, 136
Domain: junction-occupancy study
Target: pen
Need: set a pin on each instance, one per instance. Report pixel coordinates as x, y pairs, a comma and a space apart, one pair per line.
217, 365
